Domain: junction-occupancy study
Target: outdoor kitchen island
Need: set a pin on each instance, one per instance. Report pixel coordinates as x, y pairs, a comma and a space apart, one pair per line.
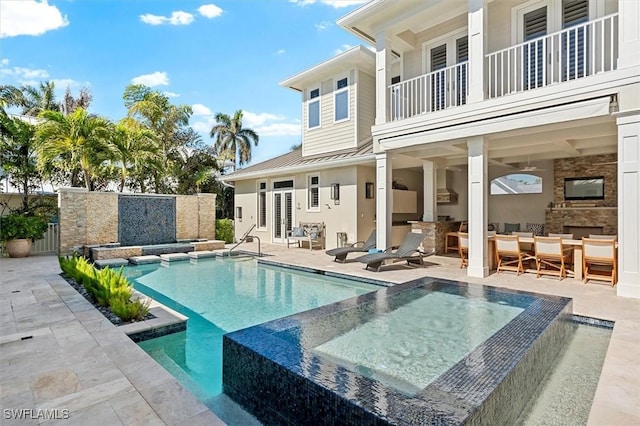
435, 233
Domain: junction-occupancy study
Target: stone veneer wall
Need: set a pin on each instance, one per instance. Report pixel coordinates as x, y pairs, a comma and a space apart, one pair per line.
435, 234
583, 167
605, 214
92, 217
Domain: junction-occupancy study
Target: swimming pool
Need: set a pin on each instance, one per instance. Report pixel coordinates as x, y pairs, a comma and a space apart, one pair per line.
222, 295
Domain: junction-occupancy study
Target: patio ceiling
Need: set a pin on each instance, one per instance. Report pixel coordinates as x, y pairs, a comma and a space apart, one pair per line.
594, 136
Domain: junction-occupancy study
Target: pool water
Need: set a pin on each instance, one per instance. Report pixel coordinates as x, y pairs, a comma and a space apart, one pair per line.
411, 346
223, 295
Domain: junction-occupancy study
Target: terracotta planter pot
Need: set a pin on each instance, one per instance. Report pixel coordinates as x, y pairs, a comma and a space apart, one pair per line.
18, 248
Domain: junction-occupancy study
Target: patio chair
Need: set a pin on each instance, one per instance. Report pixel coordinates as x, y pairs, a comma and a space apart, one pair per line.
551, 256
463, 248
341, 253
408, 250
526, 247
598, 254
509, 257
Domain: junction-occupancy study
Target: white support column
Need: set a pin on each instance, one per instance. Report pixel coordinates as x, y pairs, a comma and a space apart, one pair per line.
477, 48
384, 200
383, 61
429, 191
629, 204
478, 200
628, 33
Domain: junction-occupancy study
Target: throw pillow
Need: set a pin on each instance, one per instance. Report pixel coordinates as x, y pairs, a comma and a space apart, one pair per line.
493, 227
297, 232
313, 233
510, 227
536, 228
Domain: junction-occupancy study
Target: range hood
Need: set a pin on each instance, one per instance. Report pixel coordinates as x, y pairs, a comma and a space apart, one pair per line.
444, 193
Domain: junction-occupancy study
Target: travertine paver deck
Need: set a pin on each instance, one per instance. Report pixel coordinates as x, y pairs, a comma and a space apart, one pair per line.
79, 361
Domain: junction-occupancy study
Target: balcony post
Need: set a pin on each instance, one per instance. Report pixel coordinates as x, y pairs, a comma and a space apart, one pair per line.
628, 33
429, 195
477, 48
478, 153
383, 62
384, 200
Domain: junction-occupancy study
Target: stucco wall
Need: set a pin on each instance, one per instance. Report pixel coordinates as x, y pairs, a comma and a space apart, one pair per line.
88, 218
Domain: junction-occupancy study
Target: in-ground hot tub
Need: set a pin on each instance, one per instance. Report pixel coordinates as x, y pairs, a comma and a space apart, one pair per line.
424, 352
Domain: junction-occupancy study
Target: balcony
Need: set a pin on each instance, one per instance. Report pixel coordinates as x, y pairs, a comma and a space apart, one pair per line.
574, 53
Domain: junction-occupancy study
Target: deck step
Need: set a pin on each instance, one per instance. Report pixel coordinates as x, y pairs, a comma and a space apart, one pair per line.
174, 257
111, 263
201, 254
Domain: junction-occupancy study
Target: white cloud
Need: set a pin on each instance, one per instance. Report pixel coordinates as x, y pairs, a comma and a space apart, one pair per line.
342, 48
29, 17
265, 124
4, 62
20, 73
171, 94
281, 52
279, 129
177, 18
203, 126
323, 25
249, 119
199, 109
333, 3
154, 79
210, 11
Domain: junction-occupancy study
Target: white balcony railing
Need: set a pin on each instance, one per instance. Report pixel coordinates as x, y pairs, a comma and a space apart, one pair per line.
570, 54
435, 91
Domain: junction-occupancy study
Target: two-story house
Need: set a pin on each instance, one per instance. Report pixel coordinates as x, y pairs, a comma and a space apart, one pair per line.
483, 92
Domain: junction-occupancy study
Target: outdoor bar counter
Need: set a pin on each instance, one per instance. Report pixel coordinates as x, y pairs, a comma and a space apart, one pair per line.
435, 233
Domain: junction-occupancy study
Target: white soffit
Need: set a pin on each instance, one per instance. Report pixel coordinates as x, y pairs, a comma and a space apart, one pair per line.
563, 113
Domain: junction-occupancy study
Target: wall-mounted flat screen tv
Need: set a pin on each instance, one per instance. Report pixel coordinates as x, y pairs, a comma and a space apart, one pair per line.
584, 188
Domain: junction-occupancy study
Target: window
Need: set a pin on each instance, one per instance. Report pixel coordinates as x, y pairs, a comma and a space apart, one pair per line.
262, 205
314, 108
313, 197
516, 184
342, 100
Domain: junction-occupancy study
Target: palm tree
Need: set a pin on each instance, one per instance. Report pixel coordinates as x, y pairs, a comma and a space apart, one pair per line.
36, 99
231, 137
17, 155
9, 96
133, 147
73, 142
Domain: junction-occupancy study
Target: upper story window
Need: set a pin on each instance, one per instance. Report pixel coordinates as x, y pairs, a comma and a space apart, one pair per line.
313, 196
262, 204
341, 105
313, 106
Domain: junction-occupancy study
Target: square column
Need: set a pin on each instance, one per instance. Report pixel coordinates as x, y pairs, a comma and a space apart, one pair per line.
383, 61
629, 204
477, 47
384, 200
429, 195
478, 207
628, 33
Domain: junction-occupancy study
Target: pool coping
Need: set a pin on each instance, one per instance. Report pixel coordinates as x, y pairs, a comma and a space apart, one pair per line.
456, 397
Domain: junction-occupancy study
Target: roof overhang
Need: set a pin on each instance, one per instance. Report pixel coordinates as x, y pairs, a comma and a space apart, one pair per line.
357, 57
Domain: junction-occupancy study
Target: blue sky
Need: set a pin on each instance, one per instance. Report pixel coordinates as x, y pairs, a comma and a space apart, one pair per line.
215, 56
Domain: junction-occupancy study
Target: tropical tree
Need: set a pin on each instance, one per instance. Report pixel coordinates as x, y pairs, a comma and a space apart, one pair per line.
133, 148
231, 138
76, 143
40, 98
17, 155
169, 124
9, 96
195, 170
70, 103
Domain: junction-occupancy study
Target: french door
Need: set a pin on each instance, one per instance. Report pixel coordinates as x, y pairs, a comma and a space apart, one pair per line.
282, 210
447, 68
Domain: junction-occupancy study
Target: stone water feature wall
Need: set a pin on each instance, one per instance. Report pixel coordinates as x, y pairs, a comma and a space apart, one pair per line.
88, 218
144, 220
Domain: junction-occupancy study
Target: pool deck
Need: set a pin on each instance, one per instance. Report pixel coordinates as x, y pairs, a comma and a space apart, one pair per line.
58, 353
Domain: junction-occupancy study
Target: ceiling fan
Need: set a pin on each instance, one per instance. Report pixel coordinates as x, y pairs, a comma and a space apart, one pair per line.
530, 168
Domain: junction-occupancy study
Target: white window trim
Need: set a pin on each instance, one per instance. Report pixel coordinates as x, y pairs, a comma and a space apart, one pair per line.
310, 101
450, 40
337, 91
266, 205
308, 191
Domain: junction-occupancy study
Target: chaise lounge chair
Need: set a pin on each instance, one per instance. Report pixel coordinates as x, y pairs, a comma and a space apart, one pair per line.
341, 252
408, 250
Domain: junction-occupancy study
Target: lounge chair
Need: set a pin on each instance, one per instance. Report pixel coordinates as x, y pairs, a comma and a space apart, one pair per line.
408, 250
341, 253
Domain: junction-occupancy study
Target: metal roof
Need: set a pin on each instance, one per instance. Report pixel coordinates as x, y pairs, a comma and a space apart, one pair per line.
294, 162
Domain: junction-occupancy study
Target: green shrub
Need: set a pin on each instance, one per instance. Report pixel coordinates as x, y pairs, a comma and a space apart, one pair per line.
224, 230
106, 286
20, 225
